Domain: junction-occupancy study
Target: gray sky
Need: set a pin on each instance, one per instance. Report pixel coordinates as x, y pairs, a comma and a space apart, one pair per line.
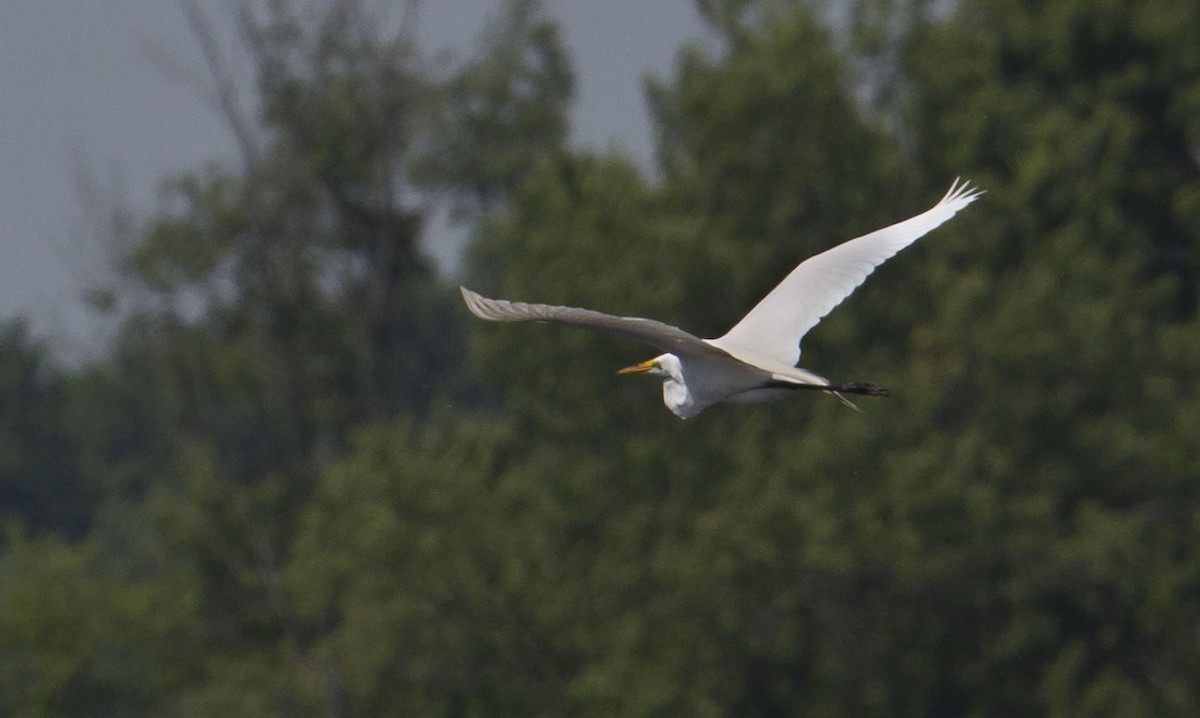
83, 94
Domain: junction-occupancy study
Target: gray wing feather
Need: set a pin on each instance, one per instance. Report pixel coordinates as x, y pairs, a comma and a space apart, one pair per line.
663, 337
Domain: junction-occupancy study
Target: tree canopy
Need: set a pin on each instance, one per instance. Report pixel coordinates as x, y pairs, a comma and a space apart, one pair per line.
300, 482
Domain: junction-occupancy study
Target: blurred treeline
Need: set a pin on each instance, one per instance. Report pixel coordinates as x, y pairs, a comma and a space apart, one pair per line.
303, 482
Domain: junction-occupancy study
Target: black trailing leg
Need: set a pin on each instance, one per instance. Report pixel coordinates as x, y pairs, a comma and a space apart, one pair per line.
838, 391
858, 387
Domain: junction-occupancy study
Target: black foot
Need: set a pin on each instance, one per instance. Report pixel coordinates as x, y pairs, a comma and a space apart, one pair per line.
862, 387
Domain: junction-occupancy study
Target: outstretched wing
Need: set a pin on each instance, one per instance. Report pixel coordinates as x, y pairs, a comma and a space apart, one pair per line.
663, 337
772, 330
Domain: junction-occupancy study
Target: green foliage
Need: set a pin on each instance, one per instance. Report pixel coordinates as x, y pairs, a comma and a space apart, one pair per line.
40, 484
80, 639
505, 112
421, 566
1080, 111
307, 505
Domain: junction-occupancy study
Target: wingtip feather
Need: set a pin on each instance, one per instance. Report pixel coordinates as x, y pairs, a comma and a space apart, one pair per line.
961, 193
476, 302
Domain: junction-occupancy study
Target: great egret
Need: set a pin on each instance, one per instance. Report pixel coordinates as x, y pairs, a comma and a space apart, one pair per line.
756, 359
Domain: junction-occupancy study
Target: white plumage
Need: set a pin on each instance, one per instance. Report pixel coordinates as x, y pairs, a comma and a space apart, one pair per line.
755, 360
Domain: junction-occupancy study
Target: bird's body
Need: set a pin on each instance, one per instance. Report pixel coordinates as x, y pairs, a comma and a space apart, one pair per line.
756, 359
690, 386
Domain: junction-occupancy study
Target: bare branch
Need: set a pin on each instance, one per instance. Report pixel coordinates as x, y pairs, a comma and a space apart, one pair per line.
409, 21
225, 83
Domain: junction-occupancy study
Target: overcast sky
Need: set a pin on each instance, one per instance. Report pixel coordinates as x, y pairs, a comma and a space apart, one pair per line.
86, 100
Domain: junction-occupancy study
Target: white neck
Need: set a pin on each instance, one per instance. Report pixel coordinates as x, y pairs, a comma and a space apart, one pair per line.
676, 395
679, 400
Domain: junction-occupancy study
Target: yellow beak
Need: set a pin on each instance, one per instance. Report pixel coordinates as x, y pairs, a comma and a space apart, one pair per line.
648, 365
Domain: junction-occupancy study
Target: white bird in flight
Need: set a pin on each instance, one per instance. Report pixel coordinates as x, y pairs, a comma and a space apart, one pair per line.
755, 360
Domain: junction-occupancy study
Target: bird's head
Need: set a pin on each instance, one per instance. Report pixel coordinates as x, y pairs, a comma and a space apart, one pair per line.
666, 366
676, 394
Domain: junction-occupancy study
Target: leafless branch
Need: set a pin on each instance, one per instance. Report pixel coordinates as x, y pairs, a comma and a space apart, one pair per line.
409, 20
225, 87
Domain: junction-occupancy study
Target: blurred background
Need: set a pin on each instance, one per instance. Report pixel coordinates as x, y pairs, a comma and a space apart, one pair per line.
257, 459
